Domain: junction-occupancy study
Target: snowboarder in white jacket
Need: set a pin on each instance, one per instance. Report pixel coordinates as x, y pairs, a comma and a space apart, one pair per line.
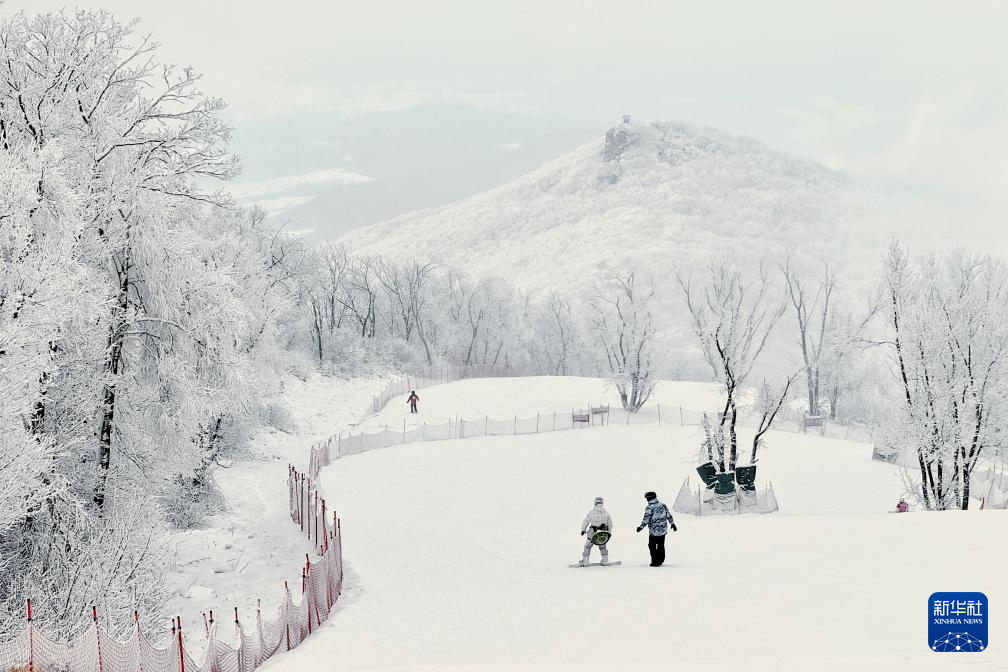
597, 519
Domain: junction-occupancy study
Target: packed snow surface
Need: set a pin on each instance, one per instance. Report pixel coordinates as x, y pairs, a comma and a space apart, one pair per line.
457, 552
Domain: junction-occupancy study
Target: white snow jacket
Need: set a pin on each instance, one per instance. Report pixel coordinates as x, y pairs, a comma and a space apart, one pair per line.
597, 517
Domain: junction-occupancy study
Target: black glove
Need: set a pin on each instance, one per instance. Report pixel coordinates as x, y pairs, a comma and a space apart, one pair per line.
639, 529
582, 533
674, 528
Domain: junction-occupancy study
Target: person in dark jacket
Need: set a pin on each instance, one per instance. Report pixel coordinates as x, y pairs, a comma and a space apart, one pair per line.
412, 401
656, 518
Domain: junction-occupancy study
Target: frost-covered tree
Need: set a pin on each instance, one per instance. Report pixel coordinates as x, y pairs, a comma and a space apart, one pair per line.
559, 334
408, 313
139, 140
361, 296
948, 336
768, 403
406, 288
732, 317
135, 305
469, 306
811, 304
623, 328
848, 362
38, 296
418, 279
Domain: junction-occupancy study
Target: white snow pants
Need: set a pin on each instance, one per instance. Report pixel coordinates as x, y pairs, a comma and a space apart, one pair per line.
588, 547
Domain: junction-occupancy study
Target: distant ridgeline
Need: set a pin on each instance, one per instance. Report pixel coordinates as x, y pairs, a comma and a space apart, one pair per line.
659, 195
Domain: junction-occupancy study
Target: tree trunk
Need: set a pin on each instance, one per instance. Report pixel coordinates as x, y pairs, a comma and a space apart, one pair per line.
108, 409
956, 471
733, 458
117, 333
426, 346
317, 319
36, 423
472, 343
924, 486
813, 403
211, 449
966, 489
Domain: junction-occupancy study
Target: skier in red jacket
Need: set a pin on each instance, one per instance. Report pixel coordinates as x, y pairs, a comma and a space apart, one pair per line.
412, 401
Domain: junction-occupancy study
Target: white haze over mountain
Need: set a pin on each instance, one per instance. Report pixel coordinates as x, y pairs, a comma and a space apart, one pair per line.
412, 159
910, 97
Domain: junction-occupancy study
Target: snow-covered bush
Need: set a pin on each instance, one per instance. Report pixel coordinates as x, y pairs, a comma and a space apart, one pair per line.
68, 558
187, 500
278, 416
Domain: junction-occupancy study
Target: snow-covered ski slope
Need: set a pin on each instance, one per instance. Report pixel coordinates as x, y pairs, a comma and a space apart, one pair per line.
457, 554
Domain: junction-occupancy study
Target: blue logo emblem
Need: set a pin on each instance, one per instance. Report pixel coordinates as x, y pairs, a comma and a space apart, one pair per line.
957, 622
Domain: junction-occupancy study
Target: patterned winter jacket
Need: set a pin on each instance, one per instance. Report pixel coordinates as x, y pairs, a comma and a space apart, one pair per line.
596, 517
656, 517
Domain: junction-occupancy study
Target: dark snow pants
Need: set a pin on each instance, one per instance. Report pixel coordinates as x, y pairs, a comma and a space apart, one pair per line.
412, 407
656, 547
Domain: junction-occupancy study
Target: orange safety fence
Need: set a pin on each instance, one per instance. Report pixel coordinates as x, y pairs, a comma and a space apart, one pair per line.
242, 649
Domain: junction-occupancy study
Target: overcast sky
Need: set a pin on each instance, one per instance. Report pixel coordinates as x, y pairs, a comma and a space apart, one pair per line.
908, 93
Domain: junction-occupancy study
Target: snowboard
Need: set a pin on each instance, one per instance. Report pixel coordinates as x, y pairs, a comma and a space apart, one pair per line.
597, 564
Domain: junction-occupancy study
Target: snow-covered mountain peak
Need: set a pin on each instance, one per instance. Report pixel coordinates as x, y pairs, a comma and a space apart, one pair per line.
637, 146
654, 192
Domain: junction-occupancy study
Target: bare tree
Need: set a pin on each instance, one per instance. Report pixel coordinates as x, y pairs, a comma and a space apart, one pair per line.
360, 297
406, 287
336, 264
470, 306
392, 278
417, 280
812, 314
847, 361
768, 403
624, 329
732, 318
560, 333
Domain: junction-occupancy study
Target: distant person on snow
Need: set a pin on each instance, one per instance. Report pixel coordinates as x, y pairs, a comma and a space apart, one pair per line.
656, 515
599, 522
902, 507
412, 401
